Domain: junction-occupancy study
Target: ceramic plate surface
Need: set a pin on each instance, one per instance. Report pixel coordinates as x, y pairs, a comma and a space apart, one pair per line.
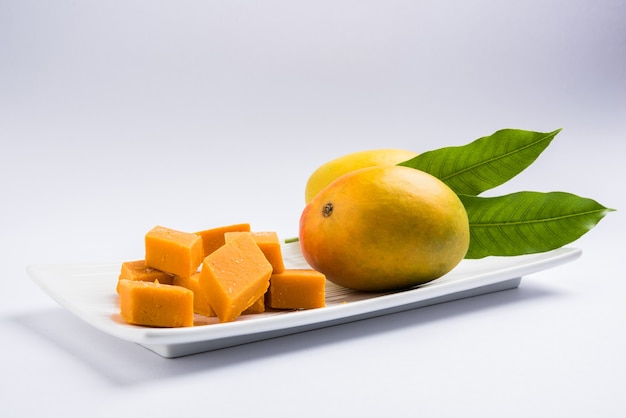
88, 291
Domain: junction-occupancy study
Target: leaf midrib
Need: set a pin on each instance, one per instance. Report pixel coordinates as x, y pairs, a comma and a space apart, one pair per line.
499, 157
542, 220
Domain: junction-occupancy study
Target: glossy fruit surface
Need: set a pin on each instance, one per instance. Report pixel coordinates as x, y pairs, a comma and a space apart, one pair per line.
384, 228
328, 172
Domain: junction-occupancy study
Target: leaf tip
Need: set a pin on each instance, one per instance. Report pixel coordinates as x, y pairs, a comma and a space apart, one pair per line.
555, 132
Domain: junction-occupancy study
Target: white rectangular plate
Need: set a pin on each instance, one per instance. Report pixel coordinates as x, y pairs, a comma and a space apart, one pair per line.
88, 291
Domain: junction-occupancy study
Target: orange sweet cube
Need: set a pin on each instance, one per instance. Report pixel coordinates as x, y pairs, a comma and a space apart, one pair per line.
154, 304
175, 252
235, 276
269, 243
137, 270
200, 300
213, 238
296, 289
257, 307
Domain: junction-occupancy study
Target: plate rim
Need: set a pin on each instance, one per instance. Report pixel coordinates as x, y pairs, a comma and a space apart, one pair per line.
44, 275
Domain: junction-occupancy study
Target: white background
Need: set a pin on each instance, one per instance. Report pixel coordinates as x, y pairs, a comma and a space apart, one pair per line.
120, 115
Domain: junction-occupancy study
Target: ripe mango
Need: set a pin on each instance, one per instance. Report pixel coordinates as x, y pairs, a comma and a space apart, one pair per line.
384, 228
332, 170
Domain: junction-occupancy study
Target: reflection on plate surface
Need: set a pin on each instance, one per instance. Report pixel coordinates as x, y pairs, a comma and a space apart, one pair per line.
88, 291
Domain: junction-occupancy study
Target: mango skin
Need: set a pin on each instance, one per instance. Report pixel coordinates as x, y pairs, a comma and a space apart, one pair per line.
384, 228
333, 169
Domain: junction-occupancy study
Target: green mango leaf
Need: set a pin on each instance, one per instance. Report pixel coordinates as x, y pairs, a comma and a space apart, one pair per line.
528, 222
484, 163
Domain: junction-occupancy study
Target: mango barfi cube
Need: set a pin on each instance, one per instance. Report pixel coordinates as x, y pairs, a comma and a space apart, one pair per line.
269, 243
137, 270
213, 238
296, 289
175, 252
235, 276
154, 304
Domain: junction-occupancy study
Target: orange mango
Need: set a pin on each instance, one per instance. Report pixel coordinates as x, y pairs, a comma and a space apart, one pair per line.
384, 228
